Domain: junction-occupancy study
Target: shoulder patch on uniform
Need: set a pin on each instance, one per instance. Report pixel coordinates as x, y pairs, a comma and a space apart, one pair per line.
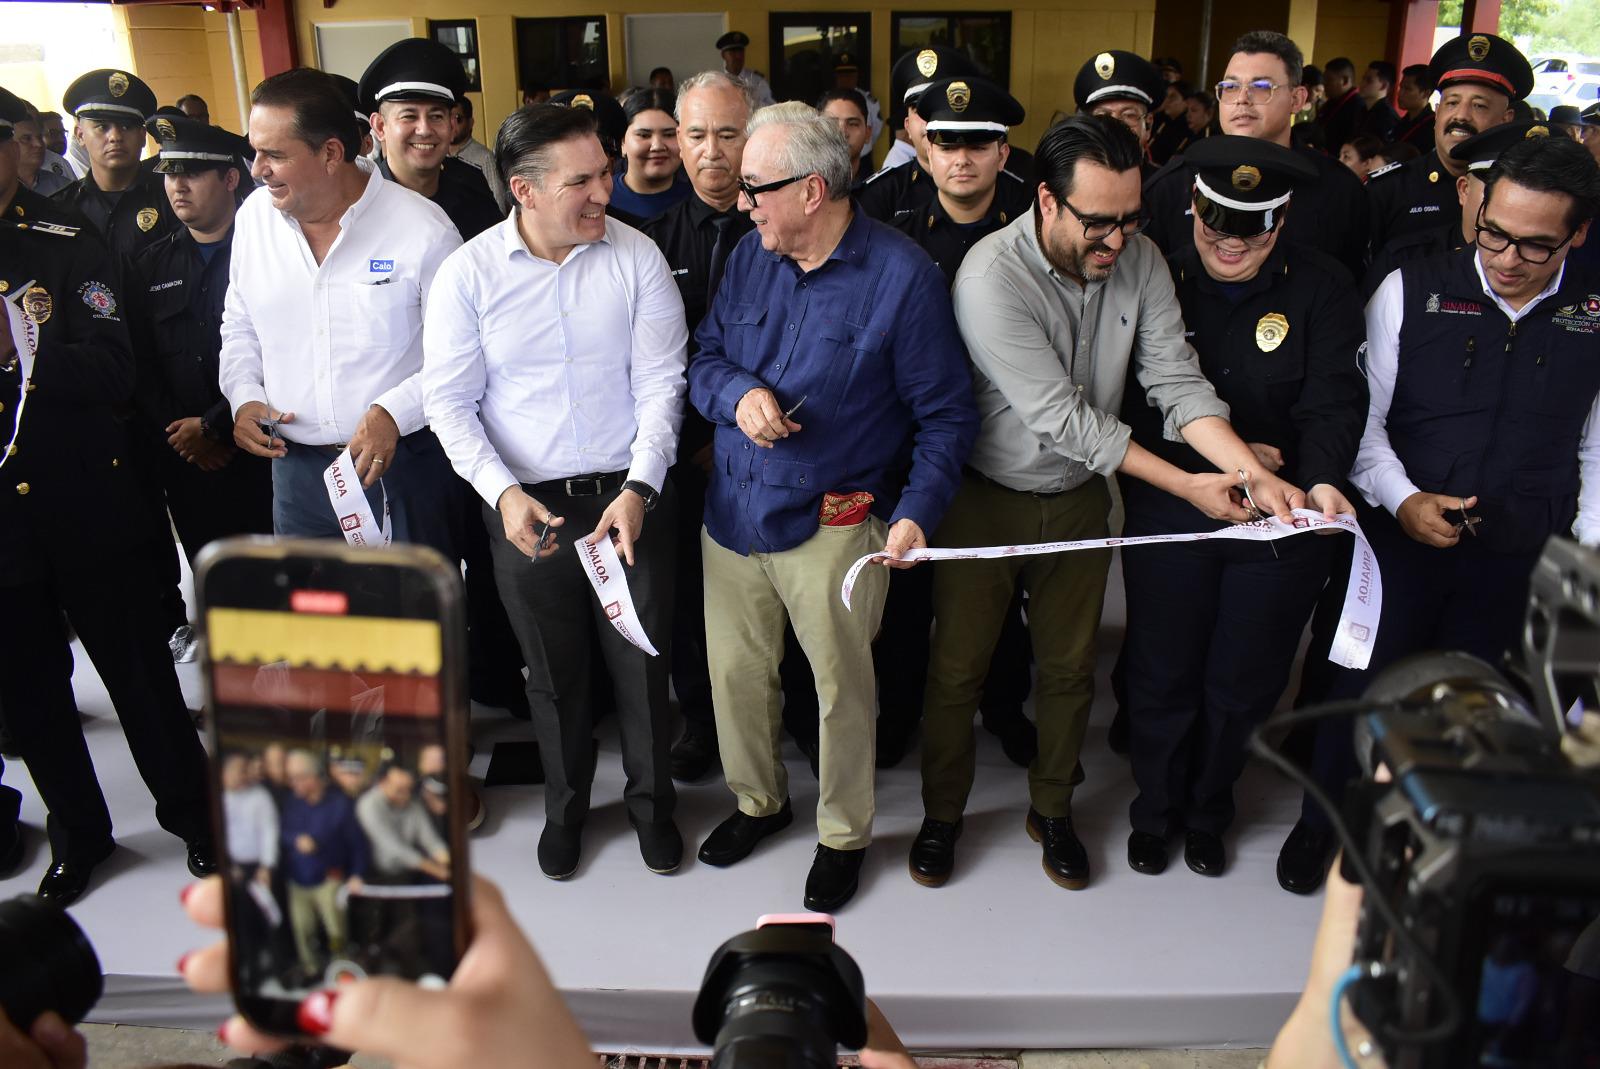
98, 296
879, 173
1385, 169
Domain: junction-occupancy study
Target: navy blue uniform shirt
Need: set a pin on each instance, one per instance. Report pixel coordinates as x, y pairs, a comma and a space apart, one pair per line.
869, 340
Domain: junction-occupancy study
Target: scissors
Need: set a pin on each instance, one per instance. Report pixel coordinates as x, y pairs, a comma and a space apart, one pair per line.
269, 427
796, 407
1257, 513
542, 544
1468, 522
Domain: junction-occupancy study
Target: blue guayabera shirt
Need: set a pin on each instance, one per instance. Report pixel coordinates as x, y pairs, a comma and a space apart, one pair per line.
870, 342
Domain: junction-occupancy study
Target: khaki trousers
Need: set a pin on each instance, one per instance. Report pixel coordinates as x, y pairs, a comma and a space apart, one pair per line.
315, 910
1066, 592
748, 599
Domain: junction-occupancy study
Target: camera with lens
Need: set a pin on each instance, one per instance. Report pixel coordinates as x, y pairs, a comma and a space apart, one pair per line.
1479, 941
48, 963
781, 997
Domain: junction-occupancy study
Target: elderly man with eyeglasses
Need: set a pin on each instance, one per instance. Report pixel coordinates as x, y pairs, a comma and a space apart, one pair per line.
1056, 309
1482, 438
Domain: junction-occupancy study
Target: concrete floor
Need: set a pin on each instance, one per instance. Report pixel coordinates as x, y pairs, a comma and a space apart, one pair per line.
129, 1047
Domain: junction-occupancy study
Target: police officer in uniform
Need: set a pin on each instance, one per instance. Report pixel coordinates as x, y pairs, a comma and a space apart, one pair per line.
906, 189
1213, 626
1127, 87
732, 45
1478, 153
212, 489
127, 206
63, 542
1484, 370
407, 93
1259, 93
1479, 78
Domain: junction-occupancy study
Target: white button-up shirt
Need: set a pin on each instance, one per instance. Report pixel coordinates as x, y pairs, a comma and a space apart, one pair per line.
328, 341
536, 370
1378, 472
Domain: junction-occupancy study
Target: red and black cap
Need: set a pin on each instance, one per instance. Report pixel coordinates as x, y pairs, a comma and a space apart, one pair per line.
1482, 59
1242, 183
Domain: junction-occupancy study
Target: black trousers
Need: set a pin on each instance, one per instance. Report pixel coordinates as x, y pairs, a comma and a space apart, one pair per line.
157, 553
494, 660
208, 505
1462, 598
114, 606
691, 675
561, 628
1212, 632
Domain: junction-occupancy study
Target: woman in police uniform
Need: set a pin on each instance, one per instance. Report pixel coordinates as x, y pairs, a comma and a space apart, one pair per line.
1213, 626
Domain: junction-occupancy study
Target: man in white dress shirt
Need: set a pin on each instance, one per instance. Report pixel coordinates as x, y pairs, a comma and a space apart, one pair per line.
322, 329
554, 375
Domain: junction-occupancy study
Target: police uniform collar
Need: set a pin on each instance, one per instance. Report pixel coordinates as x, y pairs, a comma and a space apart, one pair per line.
938, 213
700, 212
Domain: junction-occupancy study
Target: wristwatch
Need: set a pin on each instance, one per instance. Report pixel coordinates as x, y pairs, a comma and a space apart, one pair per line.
644, 491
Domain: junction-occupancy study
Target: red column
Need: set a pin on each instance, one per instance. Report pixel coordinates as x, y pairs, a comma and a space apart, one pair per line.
1411, 24
275, 23
1480, 16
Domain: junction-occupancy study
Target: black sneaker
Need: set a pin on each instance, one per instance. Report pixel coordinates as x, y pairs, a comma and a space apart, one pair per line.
659, 844
834, 877
734, 838
933, 852
560, 847
1065, 860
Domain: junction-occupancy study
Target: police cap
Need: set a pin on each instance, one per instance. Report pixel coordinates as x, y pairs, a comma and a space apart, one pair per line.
1118, 75
111, 95
413, 69
1481, 150
1566, 114
13, 109
844, 63
1240, 183
916, 70
190, 147
1591, 115
968, 111
608, 114
733, 39
1482, 59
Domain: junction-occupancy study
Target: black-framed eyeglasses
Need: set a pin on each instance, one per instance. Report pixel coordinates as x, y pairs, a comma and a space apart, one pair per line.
1493, 239
767, 187
1232, 92
1098, 227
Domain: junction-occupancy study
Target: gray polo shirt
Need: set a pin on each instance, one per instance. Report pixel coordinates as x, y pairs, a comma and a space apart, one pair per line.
1050, 359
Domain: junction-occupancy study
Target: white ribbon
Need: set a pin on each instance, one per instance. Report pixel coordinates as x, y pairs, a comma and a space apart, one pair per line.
25, 333
603, 568
349, 501
1363, 598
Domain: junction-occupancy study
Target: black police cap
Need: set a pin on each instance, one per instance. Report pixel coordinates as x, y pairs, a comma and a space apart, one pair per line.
733, 39
111, 95
1567, 114
845, 62
189, 146
352, 96
1242, 182
965, 111
1118, 75
413, 69
915, 71
1482, 59
12, 111
1591, 115
608, 114
1481, 150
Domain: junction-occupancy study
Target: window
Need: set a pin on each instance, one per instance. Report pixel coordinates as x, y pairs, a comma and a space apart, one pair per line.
567, 53
804, 47
983, 35
461, 37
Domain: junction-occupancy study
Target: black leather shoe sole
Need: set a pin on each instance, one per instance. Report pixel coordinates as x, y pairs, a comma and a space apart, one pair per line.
1147, 853
714, 853
1070, 883
834, 902
1303, 861
1204, 854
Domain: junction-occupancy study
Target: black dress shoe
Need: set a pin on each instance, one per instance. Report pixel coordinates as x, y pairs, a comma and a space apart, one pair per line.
66, 881
10, 849
1147, 853
833, 879
933, 852
693, 755
560, 846
734, 838
659, 844
1203, 853
1303, 861
1065, 860
202, 858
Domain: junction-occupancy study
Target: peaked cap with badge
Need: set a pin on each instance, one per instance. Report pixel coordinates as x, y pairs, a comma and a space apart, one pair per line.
1481, 150
733, 39
1482, 59
968, 111
1241, 183
189, 146
1118, 75
413, 69
613, 121
110, 95
1591, 115
915, 71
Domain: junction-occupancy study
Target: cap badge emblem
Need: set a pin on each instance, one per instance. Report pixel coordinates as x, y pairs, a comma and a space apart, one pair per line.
117, 83
1478, 48
927, 62
960, 95
1105, 64
1246, 178
165, 131
583, 100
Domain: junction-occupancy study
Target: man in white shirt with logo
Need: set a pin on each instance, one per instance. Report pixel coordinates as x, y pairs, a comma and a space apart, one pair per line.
555, 379
322, 329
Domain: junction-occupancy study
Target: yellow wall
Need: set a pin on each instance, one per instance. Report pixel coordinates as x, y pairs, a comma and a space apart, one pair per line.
180, 50
1356, 29
1049, 41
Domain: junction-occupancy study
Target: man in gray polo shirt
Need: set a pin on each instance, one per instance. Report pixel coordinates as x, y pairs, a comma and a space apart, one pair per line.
1055, 310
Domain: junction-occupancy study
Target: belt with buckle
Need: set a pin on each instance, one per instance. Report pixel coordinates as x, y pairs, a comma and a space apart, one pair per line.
582, 485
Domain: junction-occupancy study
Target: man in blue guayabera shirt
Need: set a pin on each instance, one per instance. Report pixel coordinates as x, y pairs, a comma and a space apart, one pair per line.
832, 369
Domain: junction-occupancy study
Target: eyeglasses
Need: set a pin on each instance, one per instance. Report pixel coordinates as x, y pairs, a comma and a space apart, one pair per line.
1232, 92
1254, 241
1493, 239
767, 187
1098, 227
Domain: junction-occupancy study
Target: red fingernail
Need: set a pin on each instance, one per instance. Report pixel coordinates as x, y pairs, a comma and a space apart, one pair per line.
315, 1015
184, 961
183, 895
222, 1033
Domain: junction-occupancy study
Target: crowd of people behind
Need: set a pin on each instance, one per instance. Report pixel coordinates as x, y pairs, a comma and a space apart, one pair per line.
687, 321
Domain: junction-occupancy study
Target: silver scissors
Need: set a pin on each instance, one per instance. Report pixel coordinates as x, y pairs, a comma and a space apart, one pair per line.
797, 405
1257, 513
269, 427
